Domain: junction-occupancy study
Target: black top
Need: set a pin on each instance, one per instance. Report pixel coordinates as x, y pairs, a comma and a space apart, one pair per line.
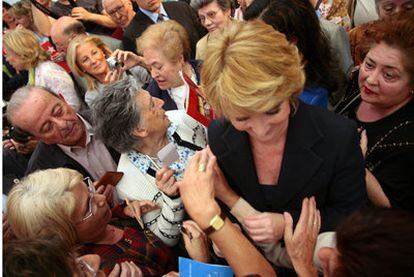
93, 6
322, 158
390, 154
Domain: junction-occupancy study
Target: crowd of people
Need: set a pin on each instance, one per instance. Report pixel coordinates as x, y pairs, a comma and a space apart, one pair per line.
301, 166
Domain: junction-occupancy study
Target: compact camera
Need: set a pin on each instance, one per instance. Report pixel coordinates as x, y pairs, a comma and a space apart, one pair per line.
113, 63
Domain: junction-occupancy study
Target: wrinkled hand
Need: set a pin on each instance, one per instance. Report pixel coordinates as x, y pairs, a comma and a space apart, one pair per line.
140, 208
197, 189
127, 269
8, 233
264, 227
165, 181
300, 244
113, 76
127, 59
364, 142
80, 13
107, 190
21, 148
195, 241
7, 143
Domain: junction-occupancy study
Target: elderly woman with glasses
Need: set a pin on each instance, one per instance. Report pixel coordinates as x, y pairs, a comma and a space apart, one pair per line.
57, 202
133, 122
214, 16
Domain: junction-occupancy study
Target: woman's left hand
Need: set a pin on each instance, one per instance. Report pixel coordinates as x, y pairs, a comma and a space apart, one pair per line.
114, 75
265, 227
300, 244
166, 182
196, 242
140, 208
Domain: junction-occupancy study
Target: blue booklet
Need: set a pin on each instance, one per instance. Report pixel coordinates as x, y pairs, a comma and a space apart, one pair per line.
191, 268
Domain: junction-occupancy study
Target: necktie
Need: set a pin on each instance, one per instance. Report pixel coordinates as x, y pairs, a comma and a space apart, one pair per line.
160, 18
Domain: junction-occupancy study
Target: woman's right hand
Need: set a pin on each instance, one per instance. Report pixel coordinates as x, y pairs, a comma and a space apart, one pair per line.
301, 243
127, 59
165, 180
265, 227
196, 242
127, 269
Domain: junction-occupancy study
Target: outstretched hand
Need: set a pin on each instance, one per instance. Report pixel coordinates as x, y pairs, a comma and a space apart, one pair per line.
300, 244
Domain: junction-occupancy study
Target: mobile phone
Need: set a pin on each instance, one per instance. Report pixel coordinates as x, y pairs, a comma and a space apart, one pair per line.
168, 154
110, 178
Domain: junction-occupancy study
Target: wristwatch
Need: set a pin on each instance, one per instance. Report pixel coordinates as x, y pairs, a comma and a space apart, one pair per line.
216, 223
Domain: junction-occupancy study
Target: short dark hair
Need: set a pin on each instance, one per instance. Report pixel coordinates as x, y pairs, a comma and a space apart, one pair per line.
38, 257
223, 4
396, 31
376, 242
297, 20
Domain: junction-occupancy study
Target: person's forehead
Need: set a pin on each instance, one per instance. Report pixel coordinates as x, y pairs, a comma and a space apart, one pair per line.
33, 111
396, 2
110, 4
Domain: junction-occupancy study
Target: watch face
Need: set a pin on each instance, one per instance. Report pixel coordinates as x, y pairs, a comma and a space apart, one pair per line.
217, 222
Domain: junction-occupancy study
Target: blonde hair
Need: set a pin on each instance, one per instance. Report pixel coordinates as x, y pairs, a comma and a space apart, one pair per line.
71, 56
22, 8
169, 37
43, 203
251, 68
24, 44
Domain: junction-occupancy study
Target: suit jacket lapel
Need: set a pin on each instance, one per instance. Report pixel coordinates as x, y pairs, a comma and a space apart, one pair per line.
300, 162
239, 160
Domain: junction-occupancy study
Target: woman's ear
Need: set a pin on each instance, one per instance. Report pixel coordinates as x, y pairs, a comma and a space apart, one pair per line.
140, 133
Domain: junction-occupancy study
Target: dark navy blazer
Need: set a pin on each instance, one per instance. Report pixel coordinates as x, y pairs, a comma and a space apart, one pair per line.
322, 158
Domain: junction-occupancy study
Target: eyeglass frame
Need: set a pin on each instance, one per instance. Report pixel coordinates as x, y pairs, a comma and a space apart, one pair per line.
211, 15
91, 191
86, 268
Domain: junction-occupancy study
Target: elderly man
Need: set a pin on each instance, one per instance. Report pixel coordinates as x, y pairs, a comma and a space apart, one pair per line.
65, 138
120, 11
67, 28
153, 11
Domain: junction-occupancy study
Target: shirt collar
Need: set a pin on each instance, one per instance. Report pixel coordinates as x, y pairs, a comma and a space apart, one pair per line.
154, 16
89, 134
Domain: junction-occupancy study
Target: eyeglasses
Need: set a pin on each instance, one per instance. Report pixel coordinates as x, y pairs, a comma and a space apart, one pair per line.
91, 191
86, 268
210, 15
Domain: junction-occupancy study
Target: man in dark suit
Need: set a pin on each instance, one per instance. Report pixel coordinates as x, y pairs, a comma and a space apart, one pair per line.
153, 11
65, 138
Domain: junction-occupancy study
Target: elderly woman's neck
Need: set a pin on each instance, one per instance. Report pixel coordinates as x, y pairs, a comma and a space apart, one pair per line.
152, 145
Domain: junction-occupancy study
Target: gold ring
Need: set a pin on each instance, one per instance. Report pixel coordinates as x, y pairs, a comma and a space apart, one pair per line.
202, 167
